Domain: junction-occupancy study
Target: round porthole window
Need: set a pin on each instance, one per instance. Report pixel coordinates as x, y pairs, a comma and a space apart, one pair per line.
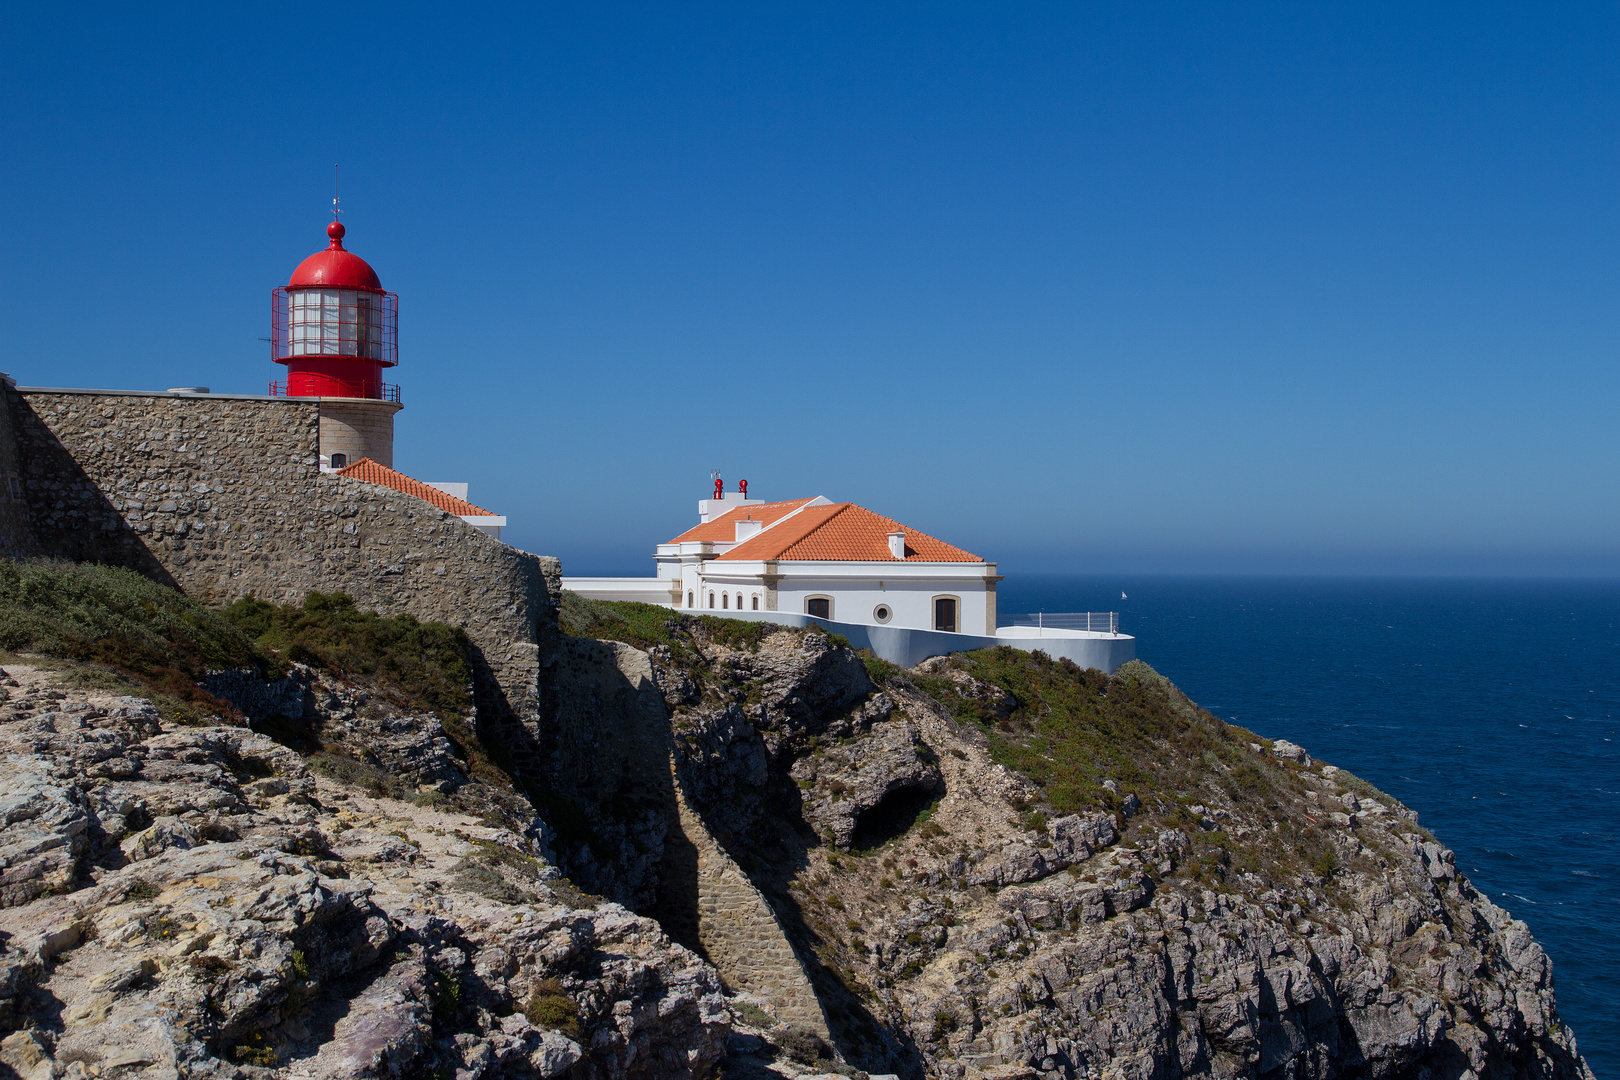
882, 613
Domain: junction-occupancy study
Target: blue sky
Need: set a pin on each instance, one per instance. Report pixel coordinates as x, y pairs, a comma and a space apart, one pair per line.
1178, 288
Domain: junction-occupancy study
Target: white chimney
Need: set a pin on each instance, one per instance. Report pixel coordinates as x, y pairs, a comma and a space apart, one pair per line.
897, 544
747, 527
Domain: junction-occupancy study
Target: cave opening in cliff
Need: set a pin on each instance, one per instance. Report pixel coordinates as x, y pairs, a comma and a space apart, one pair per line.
892, 816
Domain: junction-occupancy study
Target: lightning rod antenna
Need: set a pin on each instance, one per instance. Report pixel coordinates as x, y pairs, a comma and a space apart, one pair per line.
335, 210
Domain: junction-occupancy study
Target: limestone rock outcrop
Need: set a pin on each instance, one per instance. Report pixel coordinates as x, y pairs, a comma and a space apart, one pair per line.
410, 746
953, 926
193, 901
853, 777
808, 872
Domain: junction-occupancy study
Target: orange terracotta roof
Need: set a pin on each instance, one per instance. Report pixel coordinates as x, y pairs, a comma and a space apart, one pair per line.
724, 529
373, 473
843, 532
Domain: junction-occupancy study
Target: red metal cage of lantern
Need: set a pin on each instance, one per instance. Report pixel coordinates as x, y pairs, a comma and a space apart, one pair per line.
335, 327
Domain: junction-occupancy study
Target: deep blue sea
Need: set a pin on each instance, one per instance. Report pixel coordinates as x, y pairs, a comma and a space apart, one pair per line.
1490, 707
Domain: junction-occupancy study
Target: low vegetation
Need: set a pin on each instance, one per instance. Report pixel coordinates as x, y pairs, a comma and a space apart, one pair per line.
648, 625
1087, 739
550, 1007
154, 636
418, 663
641, 625
162, 641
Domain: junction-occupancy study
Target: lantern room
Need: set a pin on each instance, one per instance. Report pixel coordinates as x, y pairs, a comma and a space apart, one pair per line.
335, 327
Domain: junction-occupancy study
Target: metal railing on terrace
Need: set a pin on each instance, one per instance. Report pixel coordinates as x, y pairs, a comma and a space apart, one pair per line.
349, 388
1096, 622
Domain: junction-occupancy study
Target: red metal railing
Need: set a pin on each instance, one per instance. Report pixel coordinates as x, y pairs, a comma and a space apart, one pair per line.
329, 387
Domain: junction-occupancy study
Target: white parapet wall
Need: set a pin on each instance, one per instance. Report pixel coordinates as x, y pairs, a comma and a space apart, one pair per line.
1088, 649
901, 645
643, 590
908, 648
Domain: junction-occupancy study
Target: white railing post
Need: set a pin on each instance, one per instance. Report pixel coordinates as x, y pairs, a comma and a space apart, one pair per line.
1089, 622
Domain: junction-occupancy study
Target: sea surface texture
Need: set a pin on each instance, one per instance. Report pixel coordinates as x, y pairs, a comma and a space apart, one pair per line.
1488, 706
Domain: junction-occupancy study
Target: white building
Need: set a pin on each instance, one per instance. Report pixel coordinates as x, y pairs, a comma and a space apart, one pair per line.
835, 561
899, 592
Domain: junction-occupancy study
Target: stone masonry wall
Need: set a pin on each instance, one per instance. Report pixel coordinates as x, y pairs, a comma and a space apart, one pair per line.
741, 935
223, 496
609, 747
16, 535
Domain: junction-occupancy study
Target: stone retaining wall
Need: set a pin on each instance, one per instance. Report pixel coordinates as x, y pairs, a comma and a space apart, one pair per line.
16, 536
610, 745
740, 933
223, 496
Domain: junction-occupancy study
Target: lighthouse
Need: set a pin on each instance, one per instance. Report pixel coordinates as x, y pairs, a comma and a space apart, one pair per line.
336, 328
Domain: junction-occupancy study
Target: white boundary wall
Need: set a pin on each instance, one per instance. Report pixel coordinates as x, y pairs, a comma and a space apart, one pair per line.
908, 648
901, 645
640, 589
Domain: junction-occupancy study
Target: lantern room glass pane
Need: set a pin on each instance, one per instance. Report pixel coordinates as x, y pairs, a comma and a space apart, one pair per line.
336, 322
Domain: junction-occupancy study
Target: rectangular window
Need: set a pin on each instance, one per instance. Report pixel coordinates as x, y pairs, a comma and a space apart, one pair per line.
821, 608
945, 615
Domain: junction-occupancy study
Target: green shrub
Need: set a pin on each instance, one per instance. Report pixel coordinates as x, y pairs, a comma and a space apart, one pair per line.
447, 1004
647, 625
106, 613
210, 965
256, 1051
566, 892
641, 625
378, 783
805, 1047
1071, 729
878, 669
423, 663
487, 881
115, 617
549, 1007
753, 1015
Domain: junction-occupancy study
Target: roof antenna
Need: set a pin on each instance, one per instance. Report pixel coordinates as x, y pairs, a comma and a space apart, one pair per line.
335, 210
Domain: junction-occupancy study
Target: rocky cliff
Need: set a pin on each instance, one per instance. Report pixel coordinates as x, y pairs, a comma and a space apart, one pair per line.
195, 901
753, 854
998, 865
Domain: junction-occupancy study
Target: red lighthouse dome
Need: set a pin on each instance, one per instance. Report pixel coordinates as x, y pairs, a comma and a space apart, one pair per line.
335, 327
336, 267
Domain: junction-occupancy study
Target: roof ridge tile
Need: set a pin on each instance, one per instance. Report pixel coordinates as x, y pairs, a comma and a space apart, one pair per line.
374, 472
843, 532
